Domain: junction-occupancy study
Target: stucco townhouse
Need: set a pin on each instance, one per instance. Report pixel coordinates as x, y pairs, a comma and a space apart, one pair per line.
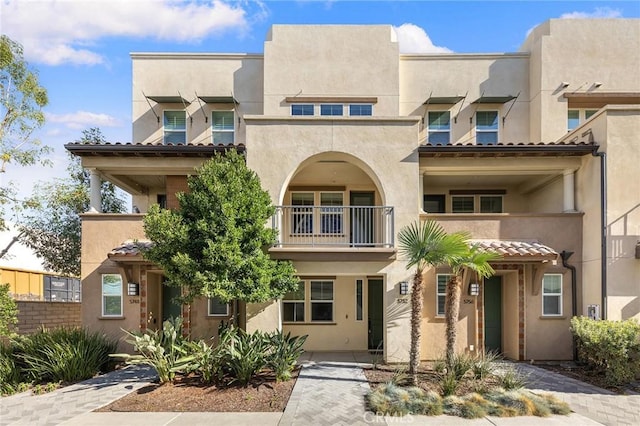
535, 153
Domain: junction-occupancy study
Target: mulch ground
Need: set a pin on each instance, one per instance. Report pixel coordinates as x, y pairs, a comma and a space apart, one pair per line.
187, 394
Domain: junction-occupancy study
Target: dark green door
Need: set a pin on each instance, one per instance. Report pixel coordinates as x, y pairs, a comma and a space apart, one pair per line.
493, 314
170, 308
374, 305
361, 224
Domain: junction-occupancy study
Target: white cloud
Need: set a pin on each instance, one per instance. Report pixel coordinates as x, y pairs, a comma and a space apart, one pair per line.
599, 12
56, 32
413, 39
83, 119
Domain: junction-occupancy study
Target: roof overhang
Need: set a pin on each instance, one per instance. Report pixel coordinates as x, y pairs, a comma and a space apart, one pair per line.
507, 150
518, 251
149, 150
600, 99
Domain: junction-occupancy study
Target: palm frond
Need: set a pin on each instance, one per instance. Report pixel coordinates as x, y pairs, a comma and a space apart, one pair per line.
475, 259
426, 243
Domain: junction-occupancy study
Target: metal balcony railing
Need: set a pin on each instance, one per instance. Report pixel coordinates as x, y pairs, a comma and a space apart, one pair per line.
334, 226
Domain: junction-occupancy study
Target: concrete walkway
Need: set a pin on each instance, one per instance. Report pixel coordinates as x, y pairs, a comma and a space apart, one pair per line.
330, 391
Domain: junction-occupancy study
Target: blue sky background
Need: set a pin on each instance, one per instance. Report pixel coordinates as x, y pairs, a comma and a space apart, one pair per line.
81, 47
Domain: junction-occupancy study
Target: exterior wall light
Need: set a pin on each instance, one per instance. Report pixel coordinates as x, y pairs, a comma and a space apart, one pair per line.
474, 289
133, 289
404, 288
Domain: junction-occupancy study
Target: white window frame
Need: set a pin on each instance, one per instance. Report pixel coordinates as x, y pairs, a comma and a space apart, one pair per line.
302, 213
331, 105
442, 294
323, 301
294, 302
584, 114
313, 110
105, 314
214, 132
479, 204
439, 131
473, 197
359, 105
211, 314
558, 295
487, 131
337, 211
164, 130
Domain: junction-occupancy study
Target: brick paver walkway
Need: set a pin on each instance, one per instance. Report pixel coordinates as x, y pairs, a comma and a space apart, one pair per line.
55, 407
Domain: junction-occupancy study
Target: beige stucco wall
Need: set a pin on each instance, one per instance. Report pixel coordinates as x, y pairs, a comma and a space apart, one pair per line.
100, 234
331, 60
510, 328
577, 52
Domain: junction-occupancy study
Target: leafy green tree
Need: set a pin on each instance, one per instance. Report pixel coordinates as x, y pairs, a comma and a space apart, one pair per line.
8, 311
424, 245
21, 101
215, 244
51, 225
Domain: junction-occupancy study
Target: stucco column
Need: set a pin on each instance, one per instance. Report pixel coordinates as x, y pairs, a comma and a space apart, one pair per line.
95, 200
569, 191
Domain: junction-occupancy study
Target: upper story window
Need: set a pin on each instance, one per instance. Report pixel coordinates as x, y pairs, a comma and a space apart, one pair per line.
175, 127
439, 127
302, 212
360, 109
331, 109
434, 203
462, 204
575, 117
491, 204
302, 109
486, 127
331, 212
222, 125
476, 204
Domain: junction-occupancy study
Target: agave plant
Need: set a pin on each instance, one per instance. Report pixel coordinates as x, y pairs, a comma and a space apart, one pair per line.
285, 351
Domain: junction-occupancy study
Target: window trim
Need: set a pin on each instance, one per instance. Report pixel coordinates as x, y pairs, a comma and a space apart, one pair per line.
313, 110
487, 131
559, 295
312, 301
582, 116
303, 285
102, 311
359, 105
473, 198
209, 314
213, 131
164, 130
444, 294
429, 131
332, 105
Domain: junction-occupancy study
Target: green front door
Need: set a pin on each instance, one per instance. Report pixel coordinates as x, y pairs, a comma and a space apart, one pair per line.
374, 305
170, 308
493, 314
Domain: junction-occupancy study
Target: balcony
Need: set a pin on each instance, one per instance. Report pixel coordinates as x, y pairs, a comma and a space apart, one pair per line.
367, 230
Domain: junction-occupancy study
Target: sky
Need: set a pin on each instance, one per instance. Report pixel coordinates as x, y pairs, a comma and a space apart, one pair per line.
80, 48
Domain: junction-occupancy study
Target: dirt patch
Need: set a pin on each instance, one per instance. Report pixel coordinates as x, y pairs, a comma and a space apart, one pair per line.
188, 394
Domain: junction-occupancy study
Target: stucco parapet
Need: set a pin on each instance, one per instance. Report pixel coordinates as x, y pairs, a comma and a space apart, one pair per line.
458, 56
412, 119
191, 55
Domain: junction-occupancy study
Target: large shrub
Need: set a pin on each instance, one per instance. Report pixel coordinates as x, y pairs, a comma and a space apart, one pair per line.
611, 348
8, 311
9, 371
63, 354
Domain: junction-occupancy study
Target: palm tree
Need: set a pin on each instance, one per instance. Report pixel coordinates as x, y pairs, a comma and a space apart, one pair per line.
474, 260
424, 245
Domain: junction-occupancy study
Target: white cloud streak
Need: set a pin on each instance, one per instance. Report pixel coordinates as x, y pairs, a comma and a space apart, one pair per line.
83, 119
64, 31
599, 12
413, 39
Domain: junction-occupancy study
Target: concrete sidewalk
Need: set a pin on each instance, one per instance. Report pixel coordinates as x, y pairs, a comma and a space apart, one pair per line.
329, 391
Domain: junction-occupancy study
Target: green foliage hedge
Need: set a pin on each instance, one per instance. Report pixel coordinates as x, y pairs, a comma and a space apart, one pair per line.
611, 348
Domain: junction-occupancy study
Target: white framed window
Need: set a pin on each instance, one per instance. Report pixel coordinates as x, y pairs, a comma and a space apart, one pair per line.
302, 212
462, 204
439, 127
222, 127
441, 292
359, 300
491, 204
217, 308
331, 213
302, 109
577, 116
486, 127
293, 305
360, 109
552, 294
111, 295
331, 109
321, 300
175, 127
